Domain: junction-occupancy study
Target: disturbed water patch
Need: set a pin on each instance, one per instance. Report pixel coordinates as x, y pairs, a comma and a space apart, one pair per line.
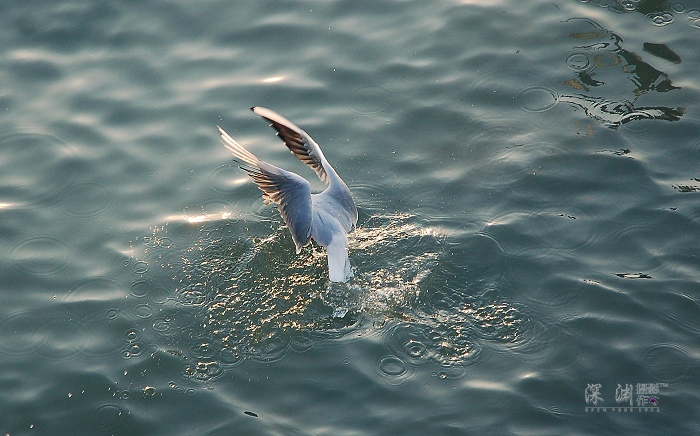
233, 298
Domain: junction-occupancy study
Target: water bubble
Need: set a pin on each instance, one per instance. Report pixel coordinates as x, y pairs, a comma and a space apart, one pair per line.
41, 255
86, 198
131, 351
628, 5
346, 360
149, 391
131, 335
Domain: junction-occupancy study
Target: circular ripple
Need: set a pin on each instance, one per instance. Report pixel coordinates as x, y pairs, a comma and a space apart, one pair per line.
412, 342
139, 288
393, 370
158, 295
41, 255
192, 297
203, 370
131, 335
667, 363
491, 263
171, 324
204, 347
88, 298
65, 338
370, 99
639, 126
628, 5
218, 209
578, 62
302, 342
140, 267
21, 334
108, 416
271, 349
230, 356
536, 99
661, 18
86, 198
226, 178
132, 350
143, 311
97, 339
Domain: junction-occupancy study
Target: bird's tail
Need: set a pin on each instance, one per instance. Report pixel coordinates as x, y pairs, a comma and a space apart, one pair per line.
338, 263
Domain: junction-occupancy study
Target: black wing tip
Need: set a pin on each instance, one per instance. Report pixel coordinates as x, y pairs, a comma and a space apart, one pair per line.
253, 108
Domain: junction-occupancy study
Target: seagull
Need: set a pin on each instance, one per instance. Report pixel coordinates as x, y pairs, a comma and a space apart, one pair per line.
326, 217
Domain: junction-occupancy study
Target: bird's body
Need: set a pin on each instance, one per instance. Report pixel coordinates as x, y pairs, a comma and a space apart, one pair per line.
327, 217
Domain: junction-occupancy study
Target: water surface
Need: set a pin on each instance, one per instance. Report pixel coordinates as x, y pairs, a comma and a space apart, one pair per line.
526, 253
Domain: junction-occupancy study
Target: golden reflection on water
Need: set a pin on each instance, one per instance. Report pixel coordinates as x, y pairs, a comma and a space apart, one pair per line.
256, 297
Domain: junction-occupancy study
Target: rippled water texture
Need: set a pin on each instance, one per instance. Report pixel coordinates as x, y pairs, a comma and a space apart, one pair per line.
526, 256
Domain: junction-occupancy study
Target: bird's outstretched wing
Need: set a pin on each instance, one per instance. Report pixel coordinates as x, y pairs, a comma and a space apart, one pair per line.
298, 141
290, 191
